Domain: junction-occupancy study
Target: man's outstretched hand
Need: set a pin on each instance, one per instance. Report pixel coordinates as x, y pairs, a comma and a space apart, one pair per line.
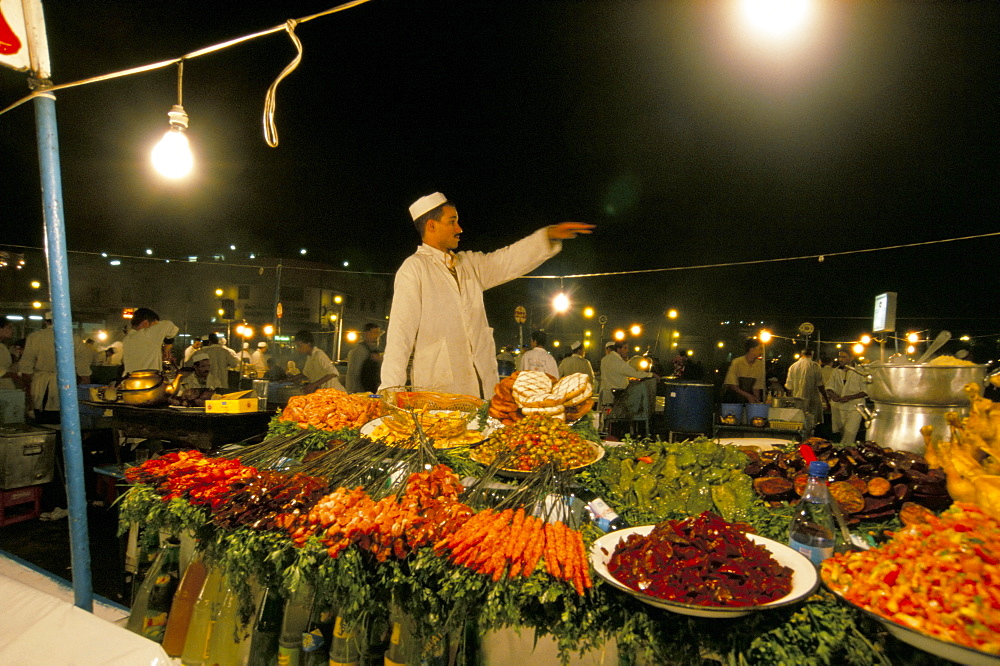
565, 230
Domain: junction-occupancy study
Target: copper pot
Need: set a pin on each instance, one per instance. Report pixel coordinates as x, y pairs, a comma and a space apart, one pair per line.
145, 388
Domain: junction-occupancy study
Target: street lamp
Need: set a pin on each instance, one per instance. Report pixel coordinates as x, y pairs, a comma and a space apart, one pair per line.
588, 312
339, 300
635, 330
560, 303
618, 335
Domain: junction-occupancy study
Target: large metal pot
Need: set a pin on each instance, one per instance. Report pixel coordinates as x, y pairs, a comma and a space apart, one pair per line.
898, 426
921, 384
144, 388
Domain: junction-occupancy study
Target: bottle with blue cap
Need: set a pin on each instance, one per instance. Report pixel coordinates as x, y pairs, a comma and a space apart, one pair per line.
812, 530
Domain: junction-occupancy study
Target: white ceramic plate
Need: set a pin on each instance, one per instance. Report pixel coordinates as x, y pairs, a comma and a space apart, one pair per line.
518, 474
936, 646
472, 424
804, 577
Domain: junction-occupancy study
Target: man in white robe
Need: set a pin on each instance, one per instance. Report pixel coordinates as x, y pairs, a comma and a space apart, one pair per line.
437, 314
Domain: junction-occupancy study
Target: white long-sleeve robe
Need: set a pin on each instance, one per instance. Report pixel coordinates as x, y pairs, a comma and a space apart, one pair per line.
444, 326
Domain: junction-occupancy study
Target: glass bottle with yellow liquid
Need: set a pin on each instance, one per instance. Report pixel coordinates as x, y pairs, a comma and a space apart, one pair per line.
182, 607
206, 610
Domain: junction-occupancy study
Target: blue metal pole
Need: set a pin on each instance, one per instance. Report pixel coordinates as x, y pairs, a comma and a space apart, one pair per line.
58, 267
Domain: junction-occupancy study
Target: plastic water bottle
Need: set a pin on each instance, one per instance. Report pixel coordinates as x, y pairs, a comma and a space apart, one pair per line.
602, 515
812, 530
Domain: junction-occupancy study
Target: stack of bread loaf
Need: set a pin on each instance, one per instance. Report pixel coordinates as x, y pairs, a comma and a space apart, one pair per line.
533, 392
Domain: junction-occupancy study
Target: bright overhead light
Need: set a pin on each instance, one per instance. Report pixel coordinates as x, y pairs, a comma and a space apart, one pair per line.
635, 329
37, 305
775, 18
302, 251
859, 348
346, 264
560, 302
115, 262
765, 336
672, 314
35, 284
232, 247
913, 338
172, 155
866, 339
588, 312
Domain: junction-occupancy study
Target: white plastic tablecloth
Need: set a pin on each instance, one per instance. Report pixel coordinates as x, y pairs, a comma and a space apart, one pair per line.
38, 628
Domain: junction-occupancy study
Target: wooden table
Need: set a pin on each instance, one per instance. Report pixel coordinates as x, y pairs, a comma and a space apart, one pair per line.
188, 427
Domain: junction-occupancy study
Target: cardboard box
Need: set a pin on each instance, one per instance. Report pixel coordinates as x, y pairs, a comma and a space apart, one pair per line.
232, 403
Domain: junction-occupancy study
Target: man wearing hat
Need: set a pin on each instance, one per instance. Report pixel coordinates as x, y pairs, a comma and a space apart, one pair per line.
437, 313
38, 371
200, 378
260, 358
576, 362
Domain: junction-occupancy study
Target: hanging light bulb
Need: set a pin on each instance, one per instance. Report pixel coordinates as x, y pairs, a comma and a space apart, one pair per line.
172, 155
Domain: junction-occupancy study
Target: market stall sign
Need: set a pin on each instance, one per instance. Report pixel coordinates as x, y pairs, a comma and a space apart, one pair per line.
13, 36
520, 314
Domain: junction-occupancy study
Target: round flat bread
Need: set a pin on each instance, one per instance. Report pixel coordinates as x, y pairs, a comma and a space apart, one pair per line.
555, 412
502, 389
530, 382
542, 400
579, 410
571, 387
503, 405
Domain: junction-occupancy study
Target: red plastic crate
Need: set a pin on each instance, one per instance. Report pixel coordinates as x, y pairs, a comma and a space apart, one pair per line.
19, 504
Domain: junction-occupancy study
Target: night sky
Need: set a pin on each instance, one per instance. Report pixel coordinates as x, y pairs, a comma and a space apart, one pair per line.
687, 140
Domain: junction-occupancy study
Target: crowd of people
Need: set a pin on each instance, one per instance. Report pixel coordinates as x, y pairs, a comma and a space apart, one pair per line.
438, 338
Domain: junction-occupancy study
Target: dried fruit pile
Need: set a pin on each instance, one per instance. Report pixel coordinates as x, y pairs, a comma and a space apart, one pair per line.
869, 482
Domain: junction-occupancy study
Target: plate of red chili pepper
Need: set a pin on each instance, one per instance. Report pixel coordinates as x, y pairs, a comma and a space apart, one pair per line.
703, 566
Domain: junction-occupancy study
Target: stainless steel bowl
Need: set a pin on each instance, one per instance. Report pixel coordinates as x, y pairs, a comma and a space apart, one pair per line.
922, 384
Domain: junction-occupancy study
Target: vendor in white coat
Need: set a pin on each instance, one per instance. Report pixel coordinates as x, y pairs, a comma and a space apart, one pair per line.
319, 371
437, 313
38, 371
142, 348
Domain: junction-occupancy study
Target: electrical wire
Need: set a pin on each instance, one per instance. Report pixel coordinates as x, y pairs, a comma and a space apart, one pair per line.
47, 90
752, 262
271, 99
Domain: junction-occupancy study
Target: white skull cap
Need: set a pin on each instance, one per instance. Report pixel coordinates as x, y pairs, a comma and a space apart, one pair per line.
427, 203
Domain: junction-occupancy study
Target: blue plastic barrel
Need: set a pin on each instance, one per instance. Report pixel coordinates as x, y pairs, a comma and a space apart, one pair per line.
688, 407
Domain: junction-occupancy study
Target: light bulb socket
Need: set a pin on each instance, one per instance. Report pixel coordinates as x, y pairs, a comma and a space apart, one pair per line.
178, 118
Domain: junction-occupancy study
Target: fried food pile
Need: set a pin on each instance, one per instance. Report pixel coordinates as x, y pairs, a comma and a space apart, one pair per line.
971, 459
447, 429
533, 392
